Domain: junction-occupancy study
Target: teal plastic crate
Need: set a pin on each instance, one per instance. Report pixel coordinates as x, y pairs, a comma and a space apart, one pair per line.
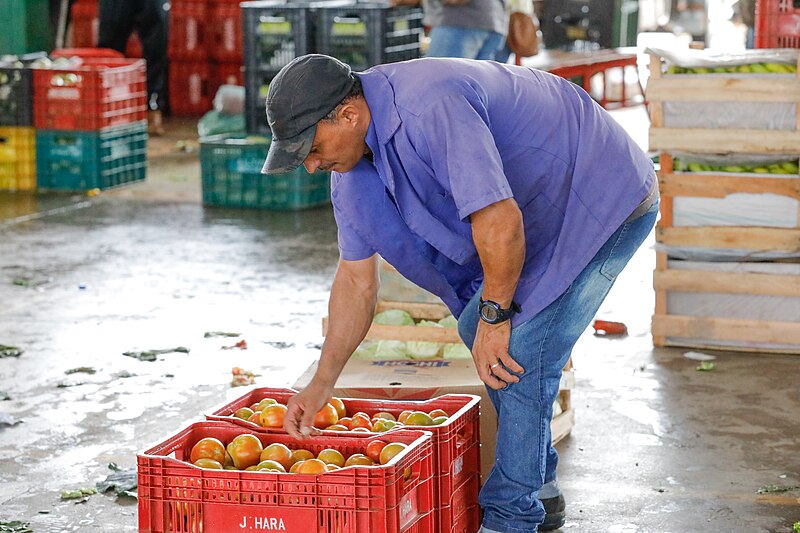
231, 170
71, 160
24, 26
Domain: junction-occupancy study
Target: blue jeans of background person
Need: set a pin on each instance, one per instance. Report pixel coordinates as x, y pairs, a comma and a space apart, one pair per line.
469, 43
525, 457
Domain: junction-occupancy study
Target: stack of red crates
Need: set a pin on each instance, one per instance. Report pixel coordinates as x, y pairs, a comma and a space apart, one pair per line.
205, 51
85, 28
777, 24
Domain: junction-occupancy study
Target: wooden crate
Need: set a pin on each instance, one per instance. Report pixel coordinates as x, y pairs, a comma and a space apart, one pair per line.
738, 88
561, 425
711, 331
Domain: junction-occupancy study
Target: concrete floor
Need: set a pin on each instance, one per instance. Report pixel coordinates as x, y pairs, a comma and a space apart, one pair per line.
658, 447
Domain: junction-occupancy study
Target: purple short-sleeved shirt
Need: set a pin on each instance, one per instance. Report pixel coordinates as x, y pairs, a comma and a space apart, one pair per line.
450, 137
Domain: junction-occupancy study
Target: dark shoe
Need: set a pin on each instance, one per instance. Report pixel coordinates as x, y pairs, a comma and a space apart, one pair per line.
555, 513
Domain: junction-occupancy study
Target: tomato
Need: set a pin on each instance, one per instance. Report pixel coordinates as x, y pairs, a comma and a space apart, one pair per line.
301, 455
280, 453
327, 416
374, 450
361, 430
337, 427
244, 413
312, 466
338, 404
359, 459
436, 413
346, 422
439, 420
245, 450
418, 418
272, 416
402, 417
383, 425
384, 414
255, 418
331, 468
208, 463
361, 420
331, 457
390, 451
208, 448
270, 465
295, 466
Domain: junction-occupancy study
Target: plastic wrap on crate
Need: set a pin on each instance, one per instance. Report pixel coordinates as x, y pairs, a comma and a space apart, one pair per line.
17, 158
70, 160
735, 306
392, 498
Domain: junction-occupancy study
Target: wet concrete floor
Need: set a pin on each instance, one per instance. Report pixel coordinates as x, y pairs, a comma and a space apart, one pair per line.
658, 446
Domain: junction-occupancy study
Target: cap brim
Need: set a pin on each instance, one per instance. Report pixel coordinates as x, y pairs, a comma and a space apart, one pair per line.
286, 155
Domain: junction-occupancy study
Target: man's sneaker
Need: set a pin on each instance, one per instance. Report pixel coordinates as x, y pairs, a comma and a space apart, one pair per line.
555, 513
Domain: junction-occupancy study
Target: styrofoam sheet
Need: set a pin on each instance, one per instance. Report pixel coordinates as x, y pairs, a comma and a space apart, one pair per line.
735, 306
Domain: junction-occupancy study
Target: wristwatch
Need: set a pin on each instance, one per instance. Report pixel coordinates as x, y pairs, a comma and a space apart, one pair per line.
492, 313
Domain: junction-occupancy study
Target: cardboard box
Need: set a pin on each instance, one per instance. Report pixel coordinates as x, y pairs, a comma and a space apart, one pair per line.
421, 380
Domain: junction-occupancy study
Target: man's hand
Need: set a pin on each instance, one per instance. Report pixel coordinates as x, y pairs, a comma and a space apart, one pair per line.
302, 408
490, 352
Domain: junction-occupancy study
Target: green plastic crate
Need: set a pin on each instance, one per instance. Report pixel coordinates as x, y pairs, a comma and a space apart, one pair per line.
24, 26
72, 160
231, 170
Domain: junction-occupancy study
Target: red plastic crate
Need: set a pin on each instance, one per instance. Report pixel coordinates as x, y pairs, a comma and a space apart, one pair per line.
227, 39
86, 27
190, 87
189, 30
176, 496
462, 513
102, 92
456, 443
777, 24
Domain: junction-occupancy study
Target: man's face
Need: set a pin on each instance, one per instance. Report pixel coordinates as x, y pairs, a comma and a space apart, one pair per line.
338, 145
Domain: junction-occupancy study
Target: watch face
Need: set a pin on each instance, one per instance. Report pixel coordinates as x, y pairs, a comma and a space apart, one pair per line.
489, 313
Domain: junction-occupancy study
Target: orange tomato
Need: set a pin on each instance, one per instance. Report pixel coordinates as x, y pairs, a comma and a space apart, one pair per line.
245, 450
280, 453
272, 416
208, 448
270, 465
374, 450
327, 416
255, 418
402, 417
359, 459
331, 457
295, 466
331, 468
436, 413
312, 466
244, 413
361, 420
390, 451
338, 404
204, 462
301, 455
346, 422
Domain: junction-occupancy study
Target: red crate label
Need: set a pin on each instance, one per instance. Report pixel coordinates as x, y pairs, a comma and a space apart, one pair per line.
258, 518
64, 93
458, 466
408, 509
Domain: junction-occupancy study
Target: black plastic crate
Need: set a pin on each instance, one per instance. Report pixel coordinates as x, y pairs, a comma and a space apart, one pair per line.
16, 90
275, 32
256, 85
365, 35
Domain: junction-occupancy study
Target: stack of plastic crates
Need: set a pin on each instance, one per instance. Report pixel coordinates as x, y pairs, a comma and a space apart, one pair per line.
369, 34
777, 24
231, 175
91, 127
17, 136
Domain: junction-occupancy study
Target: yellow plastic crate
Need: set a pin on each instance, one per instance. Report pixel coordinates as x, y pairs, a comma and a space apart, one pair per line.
17, 159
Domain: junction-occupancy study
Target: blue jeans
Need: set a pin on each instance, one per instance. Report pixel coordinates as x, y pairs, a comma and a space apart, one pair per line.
469, 43
525, 459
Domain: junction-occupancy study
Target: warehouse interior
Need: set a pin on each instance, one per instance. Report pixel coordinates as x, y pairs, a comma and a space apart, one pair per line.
155, 283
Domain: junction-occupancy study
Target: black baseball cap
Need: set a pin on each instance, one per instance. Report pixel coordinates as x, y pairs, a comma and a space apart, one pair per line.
302, 94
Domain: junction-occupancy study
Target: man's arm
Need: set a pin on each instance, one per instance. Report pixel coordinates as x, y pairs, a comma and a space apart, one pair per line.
354, 295
499, 237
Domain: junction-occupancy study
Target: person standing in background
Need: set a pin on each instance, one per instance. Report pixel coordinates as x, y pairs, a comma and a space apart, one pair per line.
471, 29
118, 19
